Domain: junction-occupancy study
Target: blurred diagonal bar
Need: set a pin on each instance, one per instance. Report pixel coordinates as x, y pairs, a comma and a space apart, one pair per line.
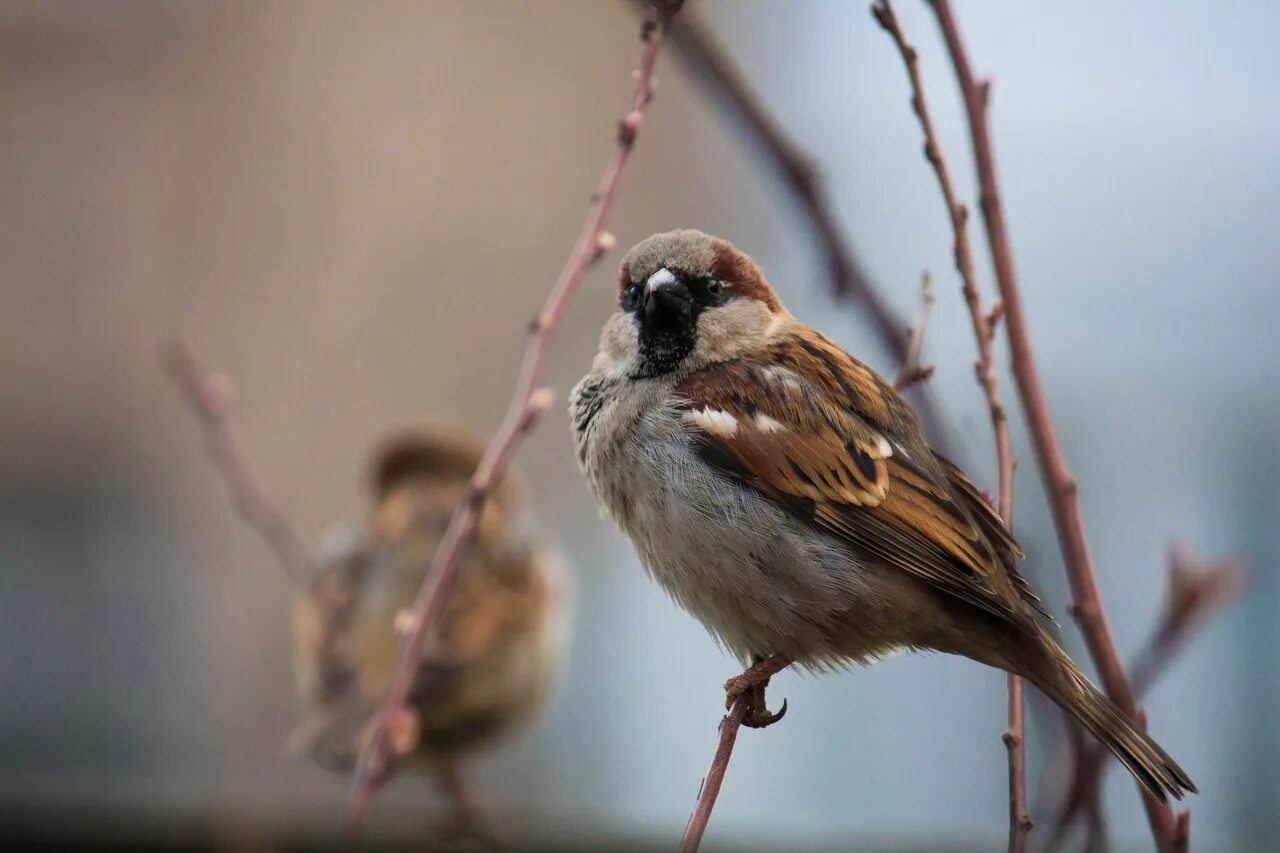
209, 396
711, 68
529, 401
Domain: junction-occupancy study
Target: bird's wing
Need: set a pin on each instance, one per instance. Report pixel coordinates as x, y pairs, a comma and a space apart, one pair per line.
994, 527
323, 615
821, 445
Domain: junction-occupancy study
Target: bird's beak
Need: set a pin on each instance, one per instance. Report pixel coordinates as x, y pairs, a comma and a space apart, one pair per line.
666, 298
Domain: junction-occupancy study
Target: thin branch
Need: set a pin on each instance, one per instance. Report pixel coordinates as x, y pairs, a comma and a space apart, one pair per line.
529, 401
1060, 486
1196, 591
209, 397
745, 695
983, 323
713, 69
914, 370
1020, 822
710, 790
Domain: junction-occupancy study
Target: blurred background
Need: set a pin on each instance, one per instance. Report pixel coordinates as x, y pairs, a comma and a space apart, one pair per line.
353, 209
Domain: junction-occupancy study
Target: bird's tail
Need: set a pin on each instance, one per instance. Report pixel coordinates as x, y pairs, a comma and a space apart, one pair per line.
1057, 676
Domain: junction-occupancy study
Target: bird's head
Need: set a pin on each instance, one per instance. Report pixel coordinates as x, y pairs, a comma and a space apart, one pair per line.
686, 300
428, 466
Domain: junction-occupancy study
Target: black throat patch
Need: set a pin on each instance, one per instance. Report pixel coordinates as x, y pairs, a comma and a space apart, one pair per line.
663, 346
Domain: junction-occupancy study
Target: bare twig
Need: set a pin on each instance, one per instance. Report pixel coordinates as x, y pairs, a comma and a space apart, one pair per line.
914, 370
747, 708
1060, 486
983, 322
1195, 592
710, 790
209, 396
1020, 822
713, 69
529, 400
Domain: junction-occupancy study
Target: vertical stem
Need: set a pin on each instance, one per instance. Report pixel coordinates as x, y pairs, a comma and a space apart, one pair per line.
1020, 822
983, 324
1060, 485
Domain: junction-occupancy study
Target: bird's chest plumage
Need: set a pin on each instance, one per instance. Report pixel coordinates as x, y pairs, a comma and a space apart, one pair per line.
761, 581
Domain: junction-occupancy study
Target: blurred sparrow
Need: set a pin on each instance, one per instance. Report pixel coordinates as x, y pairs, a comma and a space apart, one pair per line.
494, 653
783, 493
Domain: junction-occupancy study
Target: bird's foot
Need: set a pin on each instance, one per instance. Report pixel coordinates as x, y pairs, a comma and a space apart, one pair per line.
752, 684
466, 817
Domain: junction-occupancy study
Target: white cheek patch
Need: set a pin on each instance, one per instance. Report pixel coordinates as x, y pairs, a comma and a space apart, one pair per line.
766, 424
712, 421
618, 345
661, 277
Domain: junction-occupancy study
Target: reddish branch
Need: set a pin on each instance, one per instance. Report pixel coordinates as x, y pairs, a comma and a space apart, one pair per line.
710, 790
714, 70
745, 707
984, 333
209, 396
1020, 822
529, 400
1196, 591
1060, 486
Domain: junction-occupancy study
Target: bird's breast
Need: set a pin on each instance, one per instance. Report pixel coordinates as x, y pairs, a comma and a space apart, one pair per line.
757, 578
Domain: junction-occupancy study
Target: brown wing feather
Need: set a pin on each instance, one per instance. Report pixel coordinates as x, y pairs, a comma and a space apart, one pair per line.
996, 530
805, 444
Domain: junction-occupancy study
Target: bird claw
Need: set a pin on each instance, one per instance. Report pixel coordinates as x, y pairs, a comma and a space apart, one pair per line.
753, 687
760, 718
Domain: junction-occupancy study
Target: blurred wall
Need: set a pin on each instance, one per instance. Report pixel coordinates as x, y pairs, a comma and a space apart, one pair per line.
354, 208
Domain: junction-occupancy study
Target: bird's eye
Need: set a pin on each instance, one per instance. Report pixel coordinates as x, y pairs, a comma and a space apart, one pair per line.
631, 298
715, 291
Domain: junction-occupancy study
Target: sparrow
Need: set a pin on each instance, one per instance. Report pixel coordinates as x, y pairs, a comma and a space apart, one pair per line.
784, 494
494, 654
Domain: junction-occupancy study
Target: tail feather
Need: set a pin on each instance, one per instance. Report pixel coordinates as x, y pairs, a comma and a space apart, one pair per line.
1134, 748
